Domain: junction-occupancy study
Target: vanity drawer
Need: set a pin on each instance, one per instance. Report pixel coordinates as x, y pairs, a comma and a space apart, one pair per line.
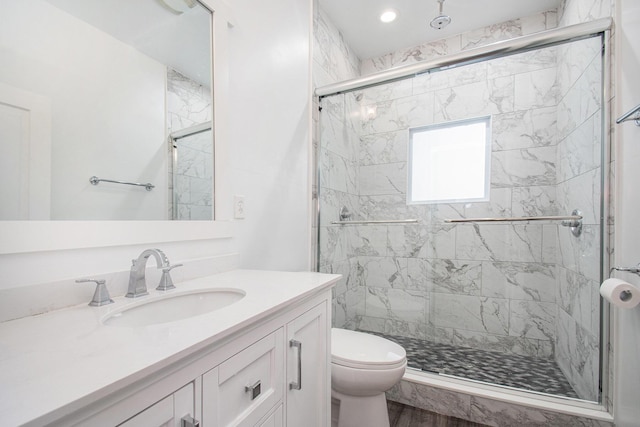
247, 386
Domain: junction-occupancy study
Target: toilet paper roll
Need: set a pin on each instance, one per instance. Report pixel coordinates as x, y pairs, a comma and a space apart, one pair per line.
620, 293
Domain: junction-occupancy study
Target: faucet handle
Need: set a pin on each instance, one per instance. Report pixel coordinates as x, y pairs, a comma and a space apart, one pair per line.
101, 295
166, 282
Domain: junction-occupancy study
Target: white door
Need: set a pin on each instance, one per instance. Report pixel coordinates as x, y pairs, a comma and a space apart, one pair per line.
25, 154
308, 374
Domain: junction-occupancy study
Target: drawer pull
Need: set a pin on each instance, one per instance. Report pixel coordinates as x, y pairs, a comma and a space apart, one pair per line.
189, 421
297, 385
253, 389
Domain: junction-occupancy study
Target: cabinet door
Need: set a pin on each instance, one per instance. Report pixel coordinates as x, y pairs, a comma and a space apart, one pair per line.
168, 412
308, 370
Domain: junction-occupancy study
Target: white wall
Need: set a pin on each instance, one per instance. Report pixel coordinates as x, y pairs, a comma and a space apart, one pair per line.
627, 231
85, 72
270, 121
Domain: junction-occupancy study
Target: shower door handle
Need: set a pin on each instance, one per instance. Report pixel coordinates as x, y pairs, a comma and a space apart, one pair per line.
297, 385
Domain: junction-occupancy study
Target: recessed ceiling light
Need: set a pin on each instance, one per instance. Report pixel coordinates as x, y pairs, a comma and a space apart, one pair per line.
389, 15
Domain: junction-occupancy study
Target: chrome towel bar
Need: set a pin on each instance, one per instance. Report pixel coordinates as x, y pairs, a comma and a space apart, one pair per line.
570, 218
95, 181
573, 221
633, 114
384, 221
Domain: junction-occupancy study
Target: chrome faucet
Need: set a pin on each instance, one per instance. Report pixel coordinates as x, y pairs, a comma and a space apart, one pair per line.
137, 279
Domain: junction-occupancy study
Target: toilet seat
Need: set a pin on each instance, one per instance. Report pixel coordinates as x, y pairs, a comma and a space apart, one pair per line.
365, 351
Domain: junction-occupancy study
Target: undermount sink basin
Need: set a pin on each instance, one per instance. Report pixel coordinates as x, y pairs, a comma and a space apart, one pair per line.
171, 308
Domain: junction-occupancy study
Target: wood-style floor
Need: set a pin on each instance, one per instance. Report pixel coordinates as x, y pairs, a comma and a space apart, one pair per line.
406, 416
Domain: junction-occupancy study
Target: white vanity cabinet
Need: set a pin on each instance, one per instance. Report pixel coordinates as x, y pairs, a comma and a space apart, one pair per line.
272, 373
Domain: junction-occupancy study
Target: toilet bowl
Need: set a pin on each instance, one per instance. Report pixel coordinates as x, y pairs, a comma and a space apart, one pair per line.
363, 367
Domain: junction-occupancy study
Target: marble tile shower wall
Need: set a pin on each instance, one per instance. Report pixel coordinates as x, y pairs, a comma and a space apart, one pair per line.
188, 104
333, 61
483, 286
579, 176
481, 36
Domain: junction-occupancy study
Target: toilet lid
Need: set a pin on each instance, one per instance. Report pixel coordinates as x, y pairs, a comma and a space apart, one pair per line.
367, 351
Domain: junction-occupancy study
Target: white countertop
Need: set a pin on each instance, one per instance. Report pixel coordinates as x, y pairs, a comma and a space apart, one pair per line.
60, 358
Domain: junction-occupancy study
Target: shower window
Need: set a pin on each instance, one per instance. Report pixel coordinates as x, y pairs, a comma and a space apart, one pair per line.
450, 162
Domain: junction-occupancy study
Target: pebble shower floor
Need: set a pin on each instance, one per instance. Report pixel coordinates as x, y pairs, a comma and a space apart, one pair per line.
523, 372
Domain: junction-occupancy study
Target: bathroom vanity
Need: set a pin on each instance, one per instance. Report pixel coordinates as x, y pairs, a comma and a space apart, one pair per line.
260, 360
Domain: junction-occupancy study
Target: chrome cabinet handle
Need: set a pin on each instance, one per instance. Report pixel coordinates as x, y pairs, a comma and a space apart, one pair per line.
297, 385
189, 421
255, 389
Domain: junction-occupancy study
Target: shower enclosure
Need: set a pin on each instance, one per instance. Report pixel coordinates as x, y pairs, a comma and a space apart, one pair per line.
509, 295
191, 173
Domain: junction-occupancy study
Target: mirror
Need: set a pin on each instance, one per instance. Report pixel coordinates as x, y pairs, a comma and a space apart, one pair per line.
96, 96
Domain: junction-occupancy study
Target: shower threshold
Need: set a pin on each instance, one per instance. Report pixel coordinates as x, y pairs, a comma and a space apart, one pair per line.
515, 371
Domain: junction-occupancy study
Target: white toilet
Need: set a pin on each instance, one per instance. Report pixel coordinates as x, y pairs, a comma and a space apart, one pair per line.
363, 367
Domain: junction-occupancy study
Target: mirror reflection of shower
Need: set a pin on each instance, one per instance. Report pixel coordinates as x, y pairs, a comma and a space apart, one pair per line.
191, 149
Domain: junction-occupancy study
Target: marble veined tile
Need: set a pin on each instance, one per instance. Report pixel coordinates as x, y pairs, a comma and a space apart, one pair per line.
501, 414
532, 319
520, 281
421, 241
474, 100
191, 163
499, 343
583, 193
432, 399
580, 152
526, 167
535, 201
447, 275
384, 272
394, 327
337, 137
575, 297
524, 129
498, 206
519, 243
390, 147
580, 254
452, 77
397, 114
337, 172
573, 58
493, 33
387, 178
333, 242
381, 93
578, 355
473, 313
398, 304
331, 201
368, 240
536, 89
388, 206
522, 63
412, 55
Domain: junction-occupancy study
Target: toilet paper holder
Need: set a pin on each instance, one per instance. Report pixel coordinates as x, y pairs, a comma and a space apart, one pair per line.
634, 270
626, 295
